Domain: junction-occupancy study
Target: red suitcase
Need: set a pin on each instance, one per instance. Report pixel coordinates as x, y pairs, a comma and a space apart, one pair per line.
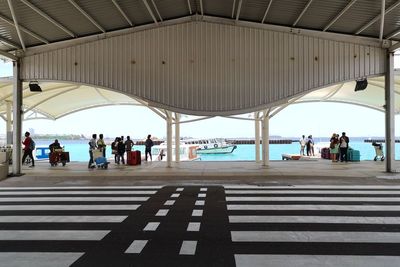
133, 157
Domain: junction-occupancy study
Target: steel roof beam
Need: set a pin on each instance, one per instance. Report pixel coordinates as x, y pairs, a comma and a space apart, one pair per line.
363, 28
201, 7
238, 10
155, 7
34, 35
8, 55
393, 34
150, 12
266, 11
190, 7
9, 43
83, 12
122, 12
382, 20
16, 24
44, 15
339, 15
233, 8
302, 13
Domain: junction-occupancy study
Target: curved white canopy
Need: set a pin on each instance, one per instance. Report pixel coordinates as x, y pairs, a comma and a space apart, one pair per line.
60, 99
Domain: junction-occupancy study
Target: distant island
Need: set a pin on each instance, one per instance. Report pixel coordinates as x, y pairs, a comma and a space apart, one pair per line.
60, 137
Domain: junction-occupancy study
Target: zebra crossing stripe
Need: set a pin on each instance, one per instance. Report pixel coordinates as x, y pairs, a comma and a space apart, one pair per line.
26, 192
315, 236
162, 212
136, 247
68, 207
42, 259
188, 248
52, 235
151, 226
193, 227
315, 260
50, 199
325, 199
62, 219
311, 192
314, 207
314, 219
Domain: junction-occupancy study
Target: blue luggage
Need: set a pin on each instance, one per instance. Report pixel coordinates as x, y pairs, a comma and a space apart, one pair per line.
353, 155
101, 162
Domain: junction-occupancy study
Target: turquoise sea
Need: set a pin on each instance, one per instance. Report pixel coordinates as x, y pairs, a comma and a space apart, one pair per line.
79, 151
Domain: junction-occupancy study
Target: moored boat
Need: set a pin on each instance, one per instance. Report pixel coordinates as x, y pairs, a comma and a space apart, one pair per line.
212, 146
188, 152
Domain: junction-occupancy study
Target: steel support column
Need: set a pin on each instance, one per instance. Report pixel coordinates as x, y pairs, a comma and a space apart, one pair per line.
265, 139
169, 139
17, 119
257, 136
177, 137
389, 113
8, 123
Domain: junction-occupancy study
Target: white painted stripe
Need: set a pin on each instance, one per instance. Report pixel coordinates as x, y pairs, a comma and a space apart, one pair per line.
188, 248
315, 207
311, 236
162, 212
197, 213
61, 219
180, 189
313, 219
199, 203
313, 187
193, 227
315, 260
52, 234
80, 187
136, 247
42, 259
175, 195
77, 192
151, 226
201, 195
311, 192
52, 199
307, 198
203, 189
69, 207
169, 202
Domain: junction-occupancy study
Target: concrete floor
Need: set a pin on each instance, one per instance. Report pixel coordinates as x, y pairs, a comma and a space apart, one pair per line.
240, 172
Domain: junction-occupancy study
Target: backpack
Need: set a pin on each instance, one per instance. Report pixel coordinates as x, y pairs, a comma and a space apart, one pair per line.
32, 145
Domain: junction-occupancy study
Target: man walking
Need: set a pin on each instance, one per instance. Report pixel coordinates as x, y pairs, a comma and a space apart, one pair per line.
29, 146
343, 145
148, 143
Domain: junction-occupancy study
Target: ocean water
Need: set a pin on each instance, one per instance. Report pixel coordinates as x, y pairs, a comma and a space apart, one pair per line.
79, 151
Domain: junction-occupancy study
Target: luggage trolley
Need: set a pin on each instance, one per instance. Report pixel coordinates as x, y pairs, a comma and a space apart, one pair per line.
99, 160
378, 151
58, 156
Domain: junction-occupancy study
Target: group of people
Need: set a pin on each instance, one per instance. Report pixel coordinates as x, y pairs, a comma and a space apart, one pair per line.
338, 147
118, 148
308, 144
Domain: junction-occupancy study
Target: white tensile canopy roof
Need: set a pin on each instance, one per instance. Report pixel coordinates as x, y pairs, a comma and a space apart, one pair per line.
59, 99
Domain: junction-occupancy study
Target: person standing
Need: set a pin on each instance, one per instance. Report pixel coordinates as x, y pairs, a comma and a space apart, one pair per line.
310, 146
128, 144
302, 142
120, 151
29, 146
343, 145
92, 147
114, 149
334, 147
101, 144
148, 143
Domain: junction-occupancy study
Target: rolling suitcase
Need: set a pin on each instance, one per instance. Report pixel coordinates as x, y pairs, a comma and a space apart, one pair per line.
133, 157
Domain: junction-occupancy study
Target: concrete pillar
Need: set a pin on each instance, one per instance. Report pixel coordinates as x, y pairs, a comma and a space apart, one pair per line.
265, 139
177, 137
17, 119
389, 113
257, 136
9, 123
169, 139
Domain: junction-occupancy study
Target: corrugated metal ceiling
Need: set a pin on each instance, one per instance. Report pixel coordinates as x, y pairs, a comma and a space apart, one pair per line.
105, 13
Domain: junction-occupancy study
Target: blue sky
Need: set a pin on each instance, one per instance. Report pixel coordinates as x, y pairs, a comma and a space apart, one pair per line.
318, 119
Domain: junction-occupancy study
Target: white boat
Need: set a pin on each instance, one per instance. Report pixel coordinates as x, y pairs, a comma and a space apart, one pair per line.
188, 152
212, 146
